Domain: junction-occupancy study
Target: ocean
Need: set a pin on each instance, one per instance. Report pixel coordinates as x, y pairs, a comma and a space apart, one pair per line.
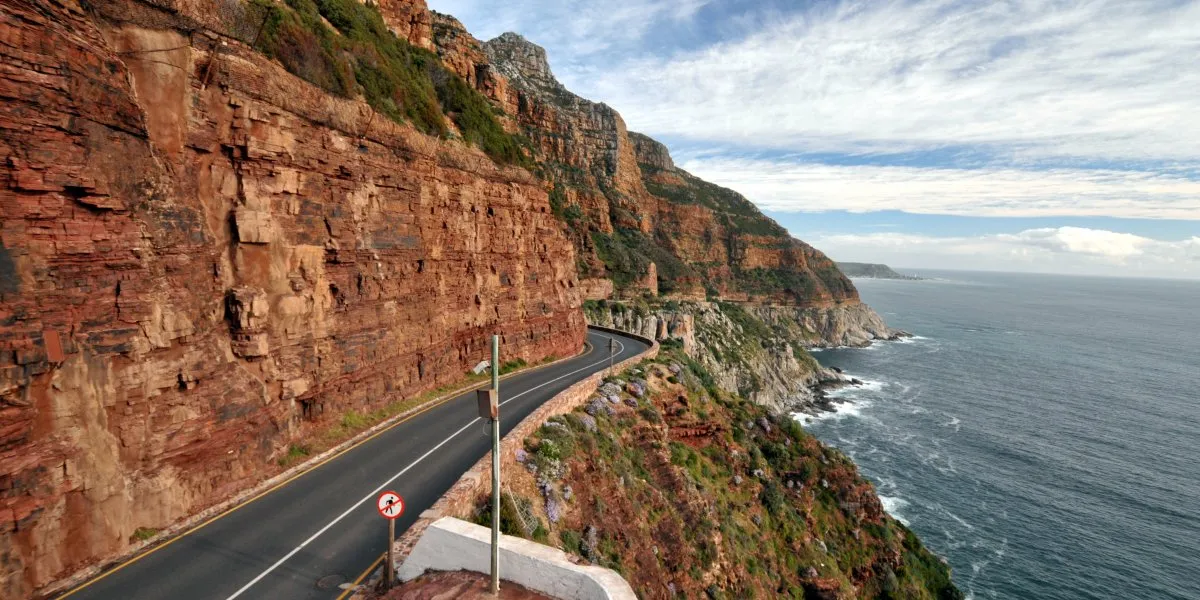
1042, 433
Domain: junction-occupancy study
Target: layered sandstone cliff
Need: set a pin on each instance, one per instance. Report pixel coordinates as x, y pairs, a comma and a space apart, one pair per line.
215, 240
205, 257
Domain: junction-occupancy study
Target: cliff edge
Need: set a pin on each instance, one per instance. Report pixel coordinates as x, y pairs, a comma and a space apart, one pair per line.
689, 491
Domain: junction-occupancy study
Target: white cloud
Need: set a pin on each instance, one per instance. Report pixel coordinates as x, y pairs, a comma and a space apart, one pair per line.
1109, 79
1050, 250
571, 30
783, 185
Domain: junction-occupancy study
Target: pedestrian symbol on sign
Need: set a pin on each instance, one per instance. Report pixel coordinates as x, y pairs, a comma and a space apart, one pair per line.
390, 505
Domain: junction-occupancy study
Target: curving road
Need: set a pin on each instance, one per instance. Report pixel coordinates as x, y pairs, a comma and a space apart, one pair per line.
321, 529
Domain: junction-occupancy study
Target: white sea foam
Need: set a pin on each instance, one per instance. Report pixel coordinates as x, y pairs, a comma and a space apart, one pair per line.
892, 505
840, 411
867, 385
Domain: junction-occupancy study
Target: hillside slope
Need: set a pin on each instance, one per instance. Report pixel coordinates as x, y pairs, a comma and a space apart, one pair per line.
692, 492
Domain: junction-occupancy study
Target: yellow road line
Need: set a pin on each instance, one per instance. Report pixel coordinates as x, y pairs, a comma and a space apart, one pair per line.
364, 574
432, 405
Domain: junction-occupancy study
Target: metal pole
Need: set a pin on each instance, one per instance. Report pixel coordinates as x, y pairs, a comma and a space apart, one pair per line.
612, 346
496, 470
391, 553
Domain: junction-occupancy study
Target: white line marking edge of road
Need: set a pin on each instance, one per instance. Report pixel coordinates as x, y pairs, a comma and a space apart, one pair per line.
372, 495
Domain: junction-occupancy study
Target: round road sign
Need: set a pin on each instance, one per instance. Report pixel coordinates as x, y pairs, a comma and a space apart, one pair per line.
390, 505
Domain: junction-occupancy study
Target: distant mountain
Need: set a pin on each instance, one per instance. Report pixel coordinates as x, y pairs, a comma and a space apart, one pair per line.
874, 271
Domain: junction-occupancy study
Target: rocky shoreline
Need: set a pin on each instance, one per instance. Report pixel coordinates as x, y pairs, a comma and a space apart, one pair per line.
831, 379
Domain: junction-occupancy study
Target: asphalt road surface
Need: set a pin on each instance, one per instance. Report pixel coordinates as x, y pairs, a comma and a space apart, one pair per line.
322, 529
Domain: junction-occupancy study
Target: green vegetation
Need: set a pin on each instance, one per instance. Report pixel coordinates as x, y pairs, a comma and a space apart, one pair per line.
142, 534
512, 365
353, 420
756, 500
295, 453
740, 214
627, 254
361, 56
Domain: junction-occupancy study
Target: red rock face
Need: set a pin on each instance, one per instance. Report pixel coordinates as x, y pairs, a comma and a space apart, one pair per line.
409, 19
202, 258
717, 240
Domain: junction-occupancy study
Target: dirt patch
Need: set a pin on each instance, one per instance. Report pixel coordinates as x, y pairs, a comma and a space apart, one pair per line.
459, 585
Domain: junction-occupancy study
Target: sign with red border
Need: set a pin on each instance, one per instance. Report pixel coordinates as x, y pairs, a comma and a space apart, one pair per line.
390, 505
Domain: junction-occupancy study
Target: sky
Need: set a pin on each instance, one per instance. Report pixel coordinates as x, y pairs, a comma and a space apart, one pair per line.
1014, 135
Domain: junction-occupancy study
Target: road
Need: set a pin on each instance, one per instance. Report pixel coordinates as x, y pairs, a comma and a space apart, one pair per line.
321, 529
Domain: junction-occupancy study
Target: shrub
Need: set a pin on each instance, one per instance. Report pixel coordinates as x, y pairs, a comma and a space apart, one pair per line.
352, 419
142, 534
405, 83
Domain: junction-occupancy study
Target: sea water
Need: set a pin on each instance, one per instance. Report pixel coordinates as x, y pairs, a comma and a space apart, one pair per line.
1041, 432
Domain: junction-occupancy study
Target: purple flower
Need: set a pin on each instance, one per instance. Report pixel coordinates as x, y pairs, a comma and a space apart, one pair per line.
522, 455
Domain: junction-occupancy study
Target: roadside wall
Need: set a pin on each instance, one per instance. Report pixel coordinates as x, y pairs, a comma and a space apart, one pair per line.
460, 499
451, 544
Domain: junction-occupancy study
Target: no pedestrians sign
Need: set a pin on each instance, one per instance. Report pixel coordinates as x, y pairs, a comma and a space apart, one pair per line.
390, 505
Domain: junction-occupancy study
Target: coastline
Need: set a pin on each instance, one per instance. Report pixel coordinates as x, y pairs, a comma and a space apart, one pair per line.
823, 399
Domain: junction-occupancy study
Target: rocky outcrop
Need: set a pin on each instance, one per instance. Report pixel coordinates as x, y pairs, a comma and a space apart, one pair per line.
642, 210
410, 20
757, 351
205, 259
872, 271
853, 325
651, 153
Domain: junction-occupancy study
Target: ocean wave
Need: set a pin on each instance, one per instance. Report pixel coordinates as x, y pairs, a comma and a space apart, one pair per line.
867, 385
840, 411
892, 506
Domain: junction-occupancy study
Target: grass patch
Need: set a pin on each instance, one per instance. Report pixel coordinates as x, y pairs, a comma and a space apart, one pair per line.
512, 365
142, 534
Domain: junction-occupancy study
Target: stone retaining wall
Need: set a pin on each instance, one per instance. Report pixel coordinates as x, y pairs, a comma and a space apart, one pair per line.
460, 499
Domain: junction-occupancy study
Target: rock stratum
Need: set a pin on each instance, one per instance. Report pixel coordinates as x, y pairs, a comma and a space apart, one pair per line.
206, 257
229, 224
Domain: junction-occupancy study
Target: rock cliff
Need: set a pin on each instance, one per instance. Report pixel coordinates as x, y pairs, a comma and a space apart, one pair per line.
636, 209
691, 492
757, 352
872, 270
227, 224
205, 257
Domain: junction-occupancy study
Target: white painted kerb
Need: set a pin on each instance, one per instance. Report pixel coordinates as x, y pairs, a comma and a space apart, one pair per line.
451, 544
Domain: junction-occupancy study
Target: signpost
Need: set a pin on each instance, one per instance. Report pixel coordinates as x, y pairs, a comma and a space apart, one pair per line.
390, 506
494, 409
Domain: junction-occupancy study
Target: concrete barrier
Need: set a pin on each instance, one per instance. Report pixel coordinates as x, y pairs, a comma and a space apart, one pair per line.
451, 544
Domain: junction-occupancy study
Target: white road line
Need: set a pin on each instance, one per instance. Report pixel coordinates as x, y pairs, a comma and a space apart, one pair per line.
371, 496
